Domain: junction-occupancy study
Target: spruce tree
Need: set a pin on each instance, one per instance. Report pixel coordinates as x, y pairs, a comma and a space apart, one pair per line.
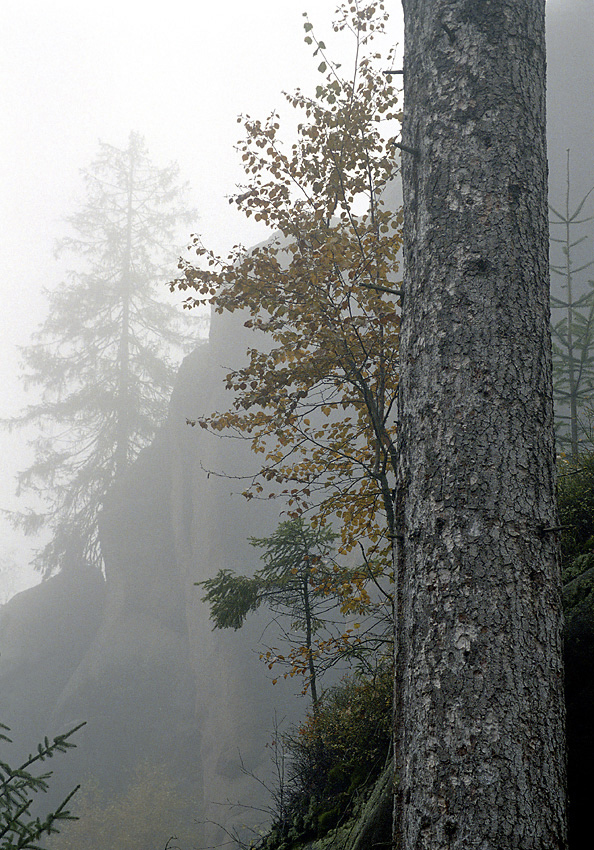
19, 828
105, 356
297, 581
573, 328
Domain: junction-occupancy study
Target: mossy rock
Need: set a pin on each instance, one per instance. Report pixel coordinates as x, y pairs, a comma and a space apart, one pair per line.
370, 827
578, 596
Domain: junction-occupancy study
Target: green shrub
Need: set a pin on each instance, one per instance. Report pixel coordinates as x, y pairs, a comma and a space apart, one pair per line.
336, 754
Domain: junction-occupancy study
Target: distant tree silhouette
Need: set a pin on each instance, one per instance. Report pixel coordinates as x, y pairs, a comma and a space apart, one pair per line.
573, 329
105, 356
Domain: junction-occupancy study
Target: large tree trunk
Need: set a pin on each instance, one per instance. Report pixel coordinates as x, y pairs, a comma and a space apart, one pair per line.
480, 757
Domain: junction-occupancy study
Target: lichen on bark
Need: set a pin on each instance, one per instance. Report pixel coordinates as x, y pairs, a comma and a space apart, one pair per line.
479, 702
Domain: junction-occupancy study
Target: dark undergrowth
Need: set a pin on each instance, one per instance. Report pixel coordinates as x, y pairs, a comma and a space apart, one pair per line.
333, 759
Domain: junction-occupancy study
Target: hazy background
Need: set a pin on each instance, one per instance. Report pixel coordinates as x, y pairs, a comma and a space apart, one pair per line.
73, 72
121, 656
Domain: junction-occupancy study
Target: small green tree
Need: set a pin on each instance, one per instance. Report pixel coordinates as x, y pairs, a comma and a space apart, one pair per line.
18, 786
573, 333
106, 355
301, 581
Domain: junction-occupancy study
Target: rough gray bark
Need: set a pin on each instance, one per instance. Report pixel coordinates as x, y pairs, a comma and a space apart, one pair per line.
480, 755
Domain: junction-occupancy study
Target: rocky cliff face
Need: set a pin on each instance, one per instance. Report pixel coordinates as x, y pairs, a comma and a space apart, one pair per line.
135, 655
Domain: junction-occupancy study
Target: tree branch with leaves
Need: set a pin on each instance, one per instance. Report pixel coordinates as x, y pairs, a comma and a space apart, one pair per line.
316, 398
19, 830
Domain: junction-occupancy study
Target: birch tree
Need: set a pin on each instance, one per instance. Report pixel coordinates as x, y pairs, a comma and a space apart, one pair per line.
480, 758
316, 400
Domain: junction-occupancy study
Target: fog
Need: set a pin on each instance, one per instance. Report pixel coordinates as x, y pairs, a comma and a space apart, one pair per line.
75, 73
136, 656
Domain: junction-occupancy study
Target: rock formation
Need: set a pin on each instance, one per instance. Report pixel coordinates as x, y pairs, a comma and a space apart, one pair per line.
134, 655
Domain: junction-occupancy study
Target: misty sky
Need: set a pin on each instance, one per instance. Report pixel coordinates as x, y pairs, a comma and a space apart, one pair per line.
73, 72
